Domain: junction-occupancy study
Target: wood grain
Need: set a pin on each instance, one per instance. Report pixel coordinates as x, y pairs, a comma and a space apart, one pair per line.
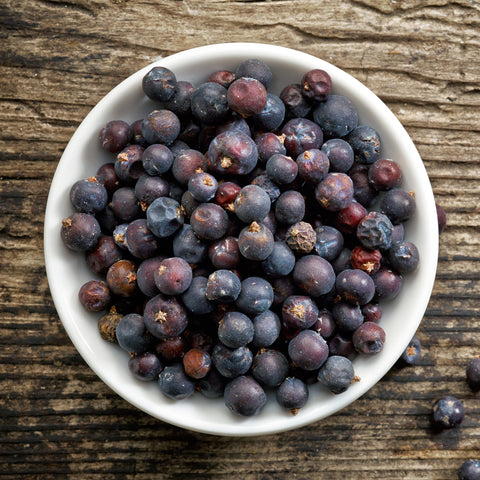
58, 58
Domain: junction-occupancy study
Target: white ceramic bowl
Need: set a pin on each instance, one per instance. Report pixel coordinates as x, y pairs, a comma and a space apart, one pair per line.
67, 270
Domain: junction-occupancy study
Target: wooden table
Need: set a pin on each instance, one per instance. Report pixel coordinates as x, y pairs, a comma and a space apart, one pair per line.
58, 58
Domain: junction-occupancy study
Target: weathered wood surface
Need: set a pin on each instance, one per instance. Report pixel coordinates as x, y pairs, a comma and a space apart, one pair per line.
57, 59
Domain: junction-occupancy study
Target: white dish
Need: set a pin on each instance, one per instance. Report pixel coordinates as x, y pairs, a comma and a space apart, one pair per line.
67, 271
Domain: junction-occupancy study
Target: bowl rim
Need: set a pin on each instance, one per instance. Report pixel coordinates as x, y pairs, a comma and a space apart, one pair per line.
182, 417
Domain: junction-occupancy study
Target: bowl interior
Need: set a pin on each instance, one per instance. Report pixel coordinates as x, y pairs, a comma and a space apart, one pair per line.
67, 270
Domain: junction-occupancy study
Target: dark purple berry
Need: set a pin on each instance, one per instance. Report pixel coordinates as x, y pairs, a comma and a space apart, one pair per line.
335, 191
195, 298
347, 317
103, 255
280, 262
348, 218
247, 96
88, 195
255, 68
235, 330
252, 204
267, 145
473, 374
186, 164
212, 385
339, 153
283, 287
329, 242
146, 276
224, 253
171, 349
80, 231
441, 217
226, 194
202, 186
271, 116
337, 374
337, 116
301, 134
366, 144
469, 470
179, 103
355, 286
308, 350
157, 159
387, 284
209, 103
398, 205
132, 335
223, 286
270, 367
125, 204
209, 221
313, 165
244, 396
115, 135
256, 296
299, 312
173, 276
314, 275
372, 312
296, 104
403, 256
188, 246
232, 153
385, 174
316, 85
325, 324
95, 295
140, 241
266, 329
447, 412
145, 366
108, 178
266, 184
368, 338
175, 383
149, 188
364, 192
230, 362
281, 169
256, 242
341, 344
165, 316
342, 261
159, 84
128, 165
292, 394
290, 207
412, 353
161, 126
222, 77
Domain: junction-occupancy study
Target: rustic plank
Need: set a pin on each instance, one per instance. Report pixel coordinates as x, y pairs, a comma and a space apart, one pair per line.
58, 59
